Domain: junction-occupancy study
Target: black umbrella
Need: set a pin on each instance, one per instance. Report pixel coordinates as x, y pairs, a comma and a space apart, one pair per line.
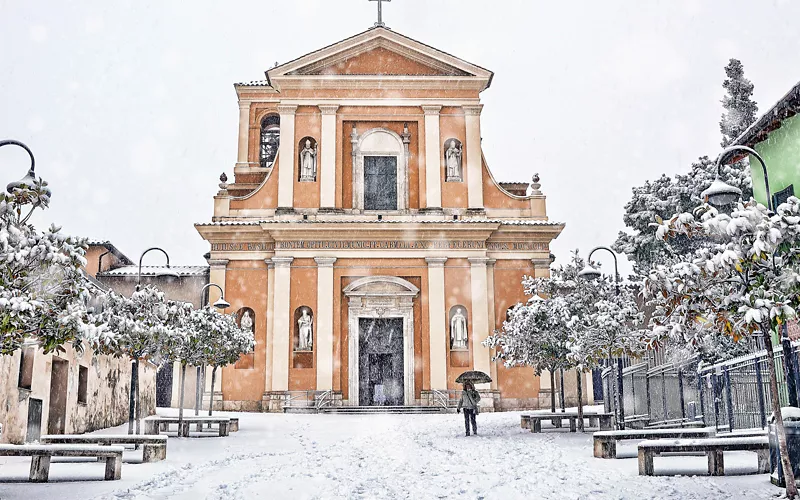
475, 377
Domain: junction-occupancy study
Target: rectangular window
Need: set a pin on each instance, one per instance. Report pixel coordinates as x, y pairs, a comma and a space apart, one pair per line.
380, 183
27, 355
781, 196
83, 384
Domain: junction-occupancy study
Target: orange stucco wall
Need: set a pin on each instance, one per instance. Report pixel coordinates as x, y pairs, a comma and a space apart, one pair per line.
458, 291
378, 61
493, 197
308, 123
452, 126
246, 286
303, 292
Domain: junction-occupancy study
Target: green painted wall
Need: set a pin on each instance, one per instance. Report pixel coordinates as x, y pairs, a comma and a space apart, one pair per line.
781, 152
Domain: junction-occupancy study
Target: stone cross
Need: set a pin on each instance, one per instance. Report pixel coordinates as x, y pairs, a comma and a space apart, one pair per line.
380, 24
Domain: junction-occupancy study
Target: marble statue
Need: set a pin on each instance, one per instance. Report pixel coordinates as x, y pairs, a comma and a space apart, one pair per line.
458, 330
306, 329
246, 322
308, 163
452, 158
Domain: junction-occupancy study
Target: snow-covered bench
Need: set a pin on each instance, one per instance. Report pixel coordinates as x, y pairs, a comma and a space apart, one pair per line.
713, 447
233, 425
534, 420
154, 448
154, 424
605, 442
677, 424
41, 454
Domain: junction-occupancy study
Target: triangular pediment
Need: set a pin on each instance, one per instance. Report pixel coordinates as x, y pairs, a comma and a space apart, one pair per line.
379, 52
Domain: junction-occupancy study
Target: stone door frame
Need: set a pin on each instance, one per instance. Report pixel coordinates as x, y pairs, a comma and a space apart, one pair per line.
375, 297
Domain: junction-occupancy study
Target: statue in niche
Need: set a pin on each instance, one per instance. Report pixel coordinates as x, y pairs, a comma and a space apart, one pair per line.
452, 160
306, 329
308, 162
458, 330
246, 322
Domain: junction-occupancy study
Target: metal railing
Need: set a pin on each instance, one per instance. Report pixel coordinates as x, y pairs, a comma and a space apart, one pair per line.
324, 400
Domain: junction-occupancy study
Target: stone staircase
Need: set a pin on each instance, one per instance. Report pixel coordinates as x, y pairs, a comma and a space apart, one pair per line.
367, 410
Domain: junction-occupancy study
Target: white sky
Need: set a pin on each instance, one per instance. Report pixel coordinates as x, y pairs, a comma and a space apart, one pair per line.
130, 110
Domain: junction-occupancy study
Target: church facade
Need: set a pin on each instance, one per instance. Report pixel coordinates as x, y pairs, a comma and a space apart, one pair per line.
364, 238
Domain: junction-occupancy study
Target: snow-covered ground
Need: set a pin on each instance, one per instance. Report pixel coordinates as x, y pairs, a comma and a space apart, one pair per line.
387, 456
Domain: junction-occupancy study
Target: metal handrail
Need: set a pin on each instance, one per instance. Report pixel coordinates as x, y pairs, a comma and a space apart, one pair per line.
440, 398
325, 399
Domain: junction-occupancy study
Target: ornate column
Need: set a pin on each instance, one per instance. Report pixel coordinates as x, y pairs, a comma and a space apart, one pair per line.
324, 323
437, 322
244, 131
479, 283
216, 275
327, 197
282, 324
472, 118
286, 159
433, 164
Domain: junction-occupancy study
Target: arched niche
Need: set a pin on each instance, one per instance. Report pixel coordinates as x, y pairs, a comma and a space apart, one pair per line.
304, 328
458, 328
270, 139
453, 160
307, 159
374, 152
246, 318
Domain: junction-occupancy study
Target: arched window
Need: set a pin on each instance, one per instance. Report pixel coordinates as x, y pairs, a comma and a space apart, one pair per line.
246, 318
458, 327
303, 329
270, 139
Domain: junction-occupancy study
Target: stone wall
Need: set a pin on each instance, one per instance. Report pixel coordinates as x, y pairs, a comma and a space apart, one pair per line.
107, 390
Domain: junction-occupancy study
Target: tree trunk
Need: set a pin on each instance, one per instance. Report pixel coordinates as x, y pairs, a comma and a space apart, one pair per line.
552, 391
580, 398
788, 472
561, 392
138, 415
132, 400
211, 397
180, 405
198, 394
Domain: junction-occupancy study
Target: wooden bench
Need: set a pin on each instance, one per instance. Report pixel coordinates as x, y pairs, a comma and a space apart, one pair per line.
152, 425
605, 442
41, 454
605, 420
154, 448
713, 448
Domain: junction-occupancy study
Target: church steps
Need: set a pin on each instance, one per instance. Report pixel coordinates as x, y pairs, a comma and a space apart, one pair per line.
366, 410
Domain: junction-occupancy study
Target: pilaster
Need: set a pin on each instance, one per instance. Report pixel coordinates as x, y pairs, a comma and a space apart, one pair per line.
433, 167
437, 322
327, 197
472, 118
324, 322
286, 159
491, 312
479, 284
244, 131
281, 334
270, 324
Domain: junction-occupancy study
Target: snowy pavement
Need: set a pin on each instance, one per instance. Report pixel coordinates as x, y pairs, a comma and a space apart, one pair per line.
387, 456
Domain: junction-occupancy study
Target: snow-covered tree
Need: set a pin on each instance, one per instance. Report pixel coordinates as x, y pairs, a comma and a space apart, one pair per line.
664, 197
746, 282
740, 108
43, 293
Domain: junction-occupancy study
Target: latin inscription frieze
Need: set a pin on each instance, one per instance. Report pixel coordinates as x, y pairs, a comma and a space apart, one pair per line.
380, 245
517, 245
243, 247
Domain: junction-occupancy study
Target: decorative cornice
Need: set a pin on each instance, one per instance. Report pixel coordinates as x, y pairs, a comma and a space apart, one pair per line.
328, 109
431, 110
282, 262
270, 264
244, 104
287, 109
325, 261
435, 261
473, 110
542, 263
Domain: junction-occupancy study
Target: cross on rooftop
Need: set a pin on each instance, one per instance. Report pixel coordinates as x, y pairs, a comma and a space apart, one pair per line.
380, 24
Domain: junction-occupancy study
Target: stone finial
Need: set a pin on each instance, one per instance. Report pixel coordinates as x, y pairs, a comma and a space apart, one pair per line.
535, 185
223, 185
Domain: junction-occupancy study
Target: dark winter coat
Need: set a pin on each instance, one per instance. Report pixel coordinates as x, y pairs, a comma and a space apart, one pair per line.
469, 400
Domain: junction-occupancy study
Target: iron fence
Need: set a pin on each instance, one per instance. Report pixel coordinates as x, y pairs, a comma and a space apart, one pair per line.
730, 395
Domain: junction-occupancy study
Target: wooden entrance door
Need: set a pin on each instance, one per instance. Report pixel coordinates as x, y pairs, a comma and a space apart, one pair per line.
57, 410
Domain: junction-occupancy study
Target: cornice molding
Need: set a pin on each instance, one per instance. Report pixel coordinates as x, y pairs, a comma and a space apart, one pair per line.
473, 109
287, 109
325, 261
328, 109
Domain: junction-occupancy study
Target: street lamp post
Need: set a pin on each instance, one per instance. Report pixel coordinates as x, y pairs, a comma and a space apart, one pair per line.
30, 178
589, 272
720, 194
221, 303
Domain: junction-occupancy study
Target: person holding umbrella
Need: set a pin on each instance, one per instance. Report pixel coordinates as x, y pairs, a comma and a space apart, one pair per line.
470, 398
